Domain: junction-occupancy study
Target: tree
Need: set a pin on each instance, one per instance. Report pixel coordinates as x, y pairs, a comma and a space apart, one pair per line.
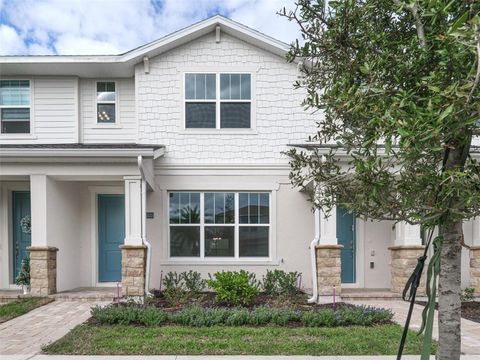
398, 84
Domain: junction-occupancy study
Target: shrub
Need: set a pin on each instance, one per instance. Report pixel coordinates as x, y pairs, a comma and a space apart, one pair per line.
279, 282
112, 314
174, 291
468, 294
23, 277
324, 317
261, 315
234, 287
197, 316
151, 316
238, 317
193, 282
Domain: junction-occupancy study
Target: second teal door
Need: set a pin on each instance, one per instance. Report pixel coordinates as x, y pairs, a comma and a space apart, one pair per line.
346, 237
111, 234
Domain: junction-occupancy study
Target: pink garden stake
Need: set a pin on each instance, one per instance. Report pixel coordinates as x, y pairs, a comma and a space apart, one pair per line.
334, 296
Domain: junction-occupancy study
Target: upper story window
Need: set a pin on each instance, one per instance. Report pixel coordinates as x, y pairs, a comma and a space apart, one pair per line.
106, 102
15, 106
212, 225
218, 101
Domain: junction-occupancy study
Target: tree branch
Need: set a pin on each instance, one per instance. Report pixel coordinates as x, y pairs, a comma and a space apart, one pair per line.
477, 76
418, 22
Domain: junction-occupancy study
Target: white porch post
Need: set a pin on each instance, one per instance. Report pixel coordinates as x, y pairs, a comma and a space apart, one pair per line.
133, 249
43, 258
475, 256
328, 258
133, 210
404, 254
328, 228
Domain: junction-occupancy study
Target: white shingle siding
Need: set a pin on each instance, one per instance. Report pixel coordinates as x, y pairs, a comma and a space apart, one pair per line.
125, 131
279, 117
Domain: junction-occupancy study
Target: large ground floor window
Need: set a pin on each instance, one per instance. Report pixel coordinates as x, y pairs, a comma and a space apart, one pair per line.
219, 224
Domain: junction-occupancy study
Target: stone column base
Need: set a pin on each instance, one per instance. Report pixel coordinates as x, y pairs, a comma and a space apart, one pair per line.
329, 269
43, 270
133, 269
475, 269
404, 260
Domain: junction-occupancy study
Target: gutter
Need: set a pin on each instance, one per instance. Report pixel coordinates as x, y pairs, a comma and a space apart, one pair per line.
141, 168
313, 258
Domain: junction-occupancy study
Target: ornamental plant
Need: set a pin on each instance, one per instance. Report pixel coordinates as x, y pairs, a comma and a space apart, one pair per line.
397, 85
23, 277
279, 282
234, 287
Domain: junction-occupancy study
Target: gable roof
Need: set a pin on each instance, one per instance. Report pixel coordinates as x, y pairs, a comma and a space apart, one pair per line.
122, 65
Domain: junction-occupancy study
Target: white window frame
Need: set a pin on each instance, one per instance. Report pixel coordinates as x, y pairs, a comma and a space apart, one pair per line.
29, 135
217, 129
214, 259
117, 97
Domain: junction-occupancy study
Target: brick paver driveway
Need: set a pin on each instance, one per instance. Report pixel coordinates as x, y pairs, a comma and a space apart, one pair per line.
27, 333
470, 329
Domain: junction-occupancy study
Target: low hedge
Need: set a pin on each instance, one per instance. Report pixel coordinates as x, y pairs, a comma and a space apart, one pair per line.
197, 316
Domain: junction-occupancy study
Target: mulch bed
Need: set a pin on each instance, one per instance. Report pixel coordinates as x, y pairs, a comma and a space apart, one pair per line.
470, 309
207, 299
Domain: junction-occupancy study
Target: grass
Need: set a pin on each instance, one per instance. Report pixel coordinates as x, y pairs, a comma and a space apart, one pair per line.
222, 340
21, 306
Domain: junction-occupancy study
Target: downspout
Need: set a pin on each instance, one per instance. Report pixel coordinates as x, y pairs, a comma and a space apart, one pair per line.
313, 257
144, 226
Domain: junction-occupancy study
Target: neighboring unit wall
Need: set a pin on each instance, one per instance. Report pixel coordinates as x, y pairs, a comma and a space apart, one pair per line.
124, 130
278, 114
54, 112
377, 235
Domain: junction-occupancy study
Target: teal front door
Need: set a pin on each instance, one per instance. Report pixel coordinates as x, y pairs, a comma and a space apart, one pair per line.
111, 234
21, 235
346, 237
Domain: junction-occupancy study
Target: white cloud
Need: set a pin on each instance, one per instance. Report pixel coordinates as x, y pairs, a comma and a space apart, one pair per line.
10, 41
115, 26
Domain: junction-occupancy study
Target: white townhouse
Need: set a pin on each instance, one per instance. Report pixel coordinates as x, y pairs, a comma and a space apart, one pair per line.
169, 158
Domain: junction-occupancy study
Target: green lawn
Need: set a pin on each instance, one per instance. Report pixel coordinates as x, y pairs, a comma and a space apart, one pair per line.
128, 340
21, 306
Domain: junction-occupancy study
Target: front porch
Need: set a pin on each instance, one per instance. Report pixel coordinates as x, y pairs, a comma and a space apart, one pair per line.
355, 259
80, 220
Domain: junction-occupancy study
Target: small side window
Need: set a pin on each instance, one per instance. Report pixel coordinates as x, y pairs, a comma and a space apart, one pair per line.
15, 106
106, 102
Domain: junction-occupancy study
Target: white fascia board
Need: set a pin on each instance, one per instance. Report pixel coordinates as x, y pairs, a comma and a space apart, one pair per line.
89, 153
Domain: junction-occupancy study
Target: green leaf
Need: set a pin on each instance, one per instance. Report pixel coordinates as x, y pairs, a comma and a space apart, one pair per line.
445, 113
459, 22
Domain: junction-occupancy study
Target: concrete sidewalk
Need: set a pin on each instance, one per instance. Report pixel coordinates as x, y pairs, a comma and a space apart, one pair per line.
209, 357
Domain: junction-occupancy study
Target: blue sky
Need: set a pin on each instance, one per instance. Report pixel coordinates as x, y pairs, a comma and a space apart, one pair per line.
39, 27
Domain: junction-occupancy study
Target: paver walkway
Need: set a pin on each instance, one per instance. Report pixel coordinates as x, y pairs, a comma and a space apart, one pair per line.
26, 334
470, 329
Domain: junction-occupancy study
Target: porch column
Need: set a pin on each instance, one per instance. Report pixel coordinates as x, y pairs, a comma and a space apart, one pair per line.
43, 258
404, 254
133, 249
475, 256
328, 257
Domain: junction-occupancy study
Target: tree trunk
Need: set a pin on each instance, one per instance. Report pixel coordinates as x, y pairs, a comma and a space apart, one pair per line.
449, 320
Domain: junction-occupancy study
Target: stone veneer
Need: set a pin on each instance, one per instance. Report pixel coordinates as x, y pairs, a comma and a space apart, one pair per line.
404, 260
475, 268
133, 270
328, 269
43, 270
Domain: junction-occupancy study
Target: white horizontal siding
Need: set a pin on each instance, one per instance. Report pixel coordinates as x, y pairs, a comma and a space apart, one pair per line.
126, 128
54, 112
